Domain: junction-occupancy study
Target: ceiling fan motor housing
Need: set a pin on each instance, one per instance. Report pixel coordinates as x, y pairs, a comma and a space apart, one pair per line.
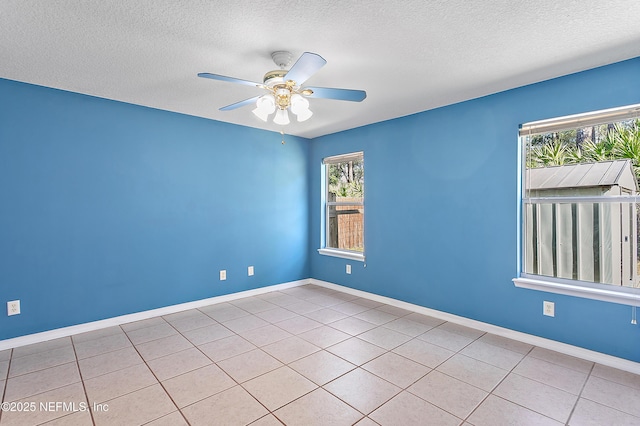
282, 90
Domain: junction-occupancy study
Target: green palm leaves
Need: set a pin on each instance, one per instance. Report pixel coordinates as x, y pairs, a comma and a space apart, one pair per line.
619, 141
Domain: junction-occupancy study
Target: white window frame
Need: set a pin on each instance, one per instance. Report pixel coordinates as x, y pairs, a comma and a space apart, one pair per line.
584, 289
331, 251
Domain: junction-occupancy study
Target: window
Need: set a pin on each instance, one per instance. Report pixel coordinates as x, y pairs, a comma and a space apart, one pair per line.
344, 206
580, 205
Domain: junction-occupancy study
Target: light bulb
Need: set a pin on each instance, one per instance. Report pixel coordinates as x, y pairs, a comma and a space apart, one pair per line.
282, 117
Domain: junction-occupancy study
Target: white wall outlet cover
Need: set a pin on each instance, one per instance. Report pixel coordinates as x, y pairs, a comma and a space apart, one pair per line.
549, 309
250, 271
13, 307
223, 275
348, 269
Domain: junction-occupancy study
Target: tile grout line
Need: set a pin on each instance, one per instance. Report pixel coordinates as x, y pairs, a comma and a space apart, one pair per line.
84, 388
584, 385
6, 382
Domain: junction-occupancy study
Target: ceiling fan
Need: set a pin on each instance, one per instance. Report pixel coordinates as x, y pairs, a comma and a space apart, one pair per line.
285, 91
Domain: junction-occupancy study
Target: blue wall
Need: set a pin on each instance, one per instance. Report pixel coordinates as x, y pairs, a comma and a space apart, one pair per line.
441, 221
108, 208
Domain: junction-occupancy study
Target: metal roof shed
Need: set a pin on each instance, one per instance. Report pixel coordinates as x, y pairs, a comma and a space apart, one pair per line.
585, 241
616, 173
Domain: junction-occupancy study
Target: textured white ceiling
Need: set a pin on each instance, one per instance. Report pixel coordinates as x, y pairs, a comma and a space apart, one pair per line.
409, 55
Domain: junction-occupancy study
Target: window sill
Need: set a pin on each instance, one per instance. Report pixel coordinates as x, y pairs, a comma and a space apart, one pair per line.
351, 255
621, 295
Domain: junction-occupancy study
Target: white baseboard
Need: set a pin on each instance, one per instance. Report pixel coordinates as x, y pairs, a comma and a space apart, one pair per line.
138, 316
600, 358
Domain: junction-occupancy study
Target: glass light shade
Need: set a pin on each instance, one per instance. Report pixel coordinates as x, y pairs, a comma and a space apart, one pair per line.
304, 115
261, 114
282, 117
298, 104
266, 103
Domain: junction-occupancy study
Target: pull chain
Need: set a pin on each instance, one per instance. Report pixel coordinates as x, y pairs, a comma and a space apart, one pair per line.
282, 133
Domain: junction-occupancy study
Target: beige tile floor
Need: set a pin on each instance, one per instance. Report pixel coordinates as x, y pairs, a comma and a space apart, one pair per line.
306, 356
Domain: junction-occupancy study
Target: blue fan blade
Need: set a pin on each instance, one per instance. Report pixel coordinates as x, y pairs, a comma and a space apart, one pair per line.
306, 66
339, 94
229, 79
240, 104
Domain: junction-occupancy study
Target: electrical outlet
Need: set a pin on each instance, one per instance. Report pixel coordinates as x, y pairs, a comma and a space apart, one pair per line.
348, 269
223, 275
13, 307
250, 271
549, 309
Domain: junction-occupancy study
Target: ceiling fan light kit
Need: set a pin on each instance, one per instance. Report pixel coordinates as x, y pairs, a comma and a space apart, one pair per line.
286, 91
285, 94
